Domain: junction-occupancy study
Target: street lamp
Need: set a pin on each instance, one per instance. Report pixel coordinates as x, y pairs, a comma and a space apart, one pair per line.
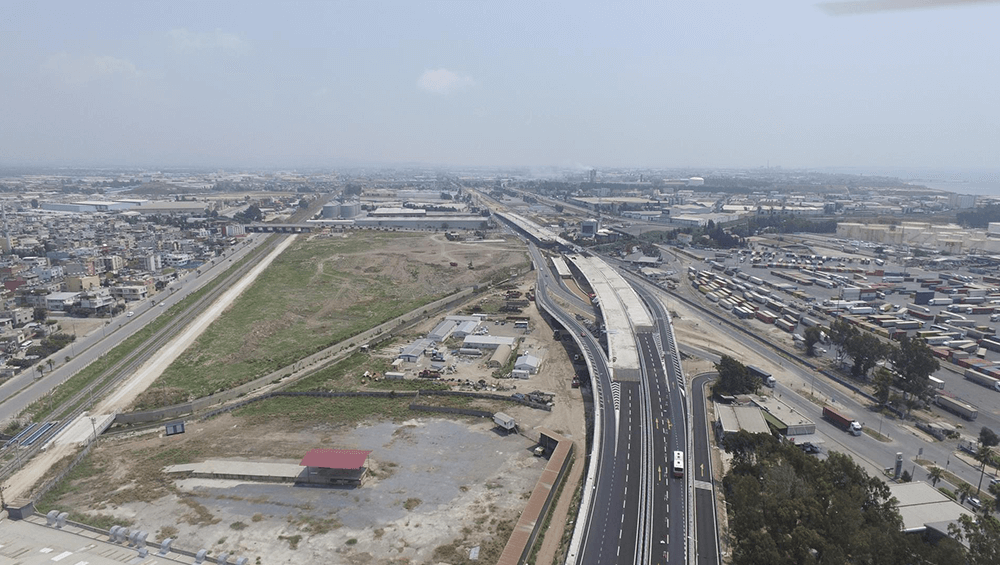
93, 424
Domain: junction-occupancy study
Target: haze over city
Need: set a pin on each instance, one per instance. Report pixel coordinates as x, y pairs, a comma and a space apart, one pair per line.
456, 283
239, 84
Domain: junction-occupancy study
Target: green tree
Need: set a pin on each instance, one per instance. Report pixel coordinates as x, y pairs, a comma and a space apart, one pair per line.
813, 335
39, 314
964, 491
983, 538
988, 437
914, 364
994, 490
935, 474
841, 332
883, 385
984, 454
865, 350
734, 378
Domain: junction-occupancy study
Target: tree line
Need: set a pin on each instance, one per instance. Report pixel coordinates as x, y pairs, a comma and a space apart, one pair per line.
787, 507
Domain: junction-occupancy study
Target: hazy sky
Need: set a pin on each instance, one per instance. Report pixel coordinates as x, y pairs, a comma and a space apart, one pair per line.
671, 83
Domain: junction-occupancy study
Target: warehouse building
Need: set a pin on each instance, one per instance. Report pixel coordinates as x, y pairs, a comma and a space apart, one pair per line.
486, 341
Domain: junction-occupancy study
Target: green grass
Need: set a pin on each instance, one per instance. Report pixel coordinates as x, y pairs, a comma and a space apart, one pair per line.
92, 374
316, 294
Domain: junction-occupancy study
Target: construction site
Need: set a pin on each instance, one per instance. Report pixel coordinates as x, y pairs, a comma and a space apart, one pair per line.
440, 480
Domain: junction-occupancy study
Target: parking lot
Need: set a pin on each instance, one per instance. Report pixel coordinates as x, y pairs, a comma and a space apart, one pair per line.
787, 289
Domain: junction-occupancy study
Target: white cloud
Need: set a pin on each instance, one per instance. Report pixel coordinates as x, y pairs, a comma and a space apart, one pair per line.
186, 41
443, 81
79, 69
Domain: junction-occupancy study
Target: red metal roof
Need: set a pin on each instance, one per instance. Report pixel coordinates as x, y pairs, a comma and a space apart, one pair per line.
335, 458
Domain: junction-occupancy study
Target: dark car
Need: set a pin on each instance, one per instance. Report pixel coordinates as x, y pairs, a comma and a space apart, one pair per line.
810, 448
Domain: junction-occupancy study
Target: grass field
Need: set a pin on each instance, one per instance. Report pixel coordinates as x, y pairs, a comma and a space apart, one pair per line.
321, 291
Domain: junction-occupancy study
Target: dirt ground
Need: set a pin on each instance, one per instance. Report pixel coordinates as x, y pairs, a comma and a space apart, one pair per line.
78, 326
437, 487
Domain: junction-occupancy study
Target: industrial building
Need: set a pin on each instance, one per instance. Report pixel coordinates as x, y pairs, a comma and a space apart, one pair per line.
528, 362
500, 356
486, 341
731, 419
925, 509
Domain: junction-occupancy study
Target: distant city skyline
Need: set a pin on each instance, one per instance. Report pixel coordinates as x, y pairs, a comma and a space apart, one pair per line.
563, 85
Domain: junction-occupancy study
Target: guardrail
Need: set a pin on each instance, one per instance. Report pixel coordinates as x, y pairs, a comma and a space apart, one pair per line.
595, 447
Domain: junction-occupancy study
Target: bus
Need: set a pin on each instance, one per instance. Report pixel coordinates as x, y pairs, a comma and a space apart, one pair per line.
936, 383
678, 463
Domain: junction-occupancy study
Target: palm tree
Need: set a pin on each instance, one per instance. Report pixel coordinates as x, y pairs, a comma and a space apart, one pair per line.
994, 489
50, 364
983, 454
935, 474
964, 491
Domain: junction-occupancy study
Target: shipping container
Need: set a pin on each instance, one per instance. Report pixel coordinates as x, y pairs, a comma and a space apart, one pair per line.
766, 316
785, 325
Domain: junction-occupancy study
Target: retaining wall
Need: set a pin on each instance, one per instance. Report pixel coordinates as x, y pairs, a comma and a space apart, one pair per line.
526, 530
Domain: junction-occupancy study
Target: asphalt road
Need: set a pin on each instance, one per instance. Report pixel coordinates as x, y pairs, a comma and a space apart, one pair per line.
607, 539
18, 393
670, 510
704, 497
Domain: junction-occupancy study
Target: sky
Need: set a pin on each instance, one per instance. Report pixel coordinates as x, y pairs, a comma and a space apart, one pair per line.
563, 84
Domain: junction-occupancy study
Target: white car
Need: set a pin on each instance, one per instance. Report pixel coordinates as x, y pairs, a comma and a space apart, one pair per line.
130, 314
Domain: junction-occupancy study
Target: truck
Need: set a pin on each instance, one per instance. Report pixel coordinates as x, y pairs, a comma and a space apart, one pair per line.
940, 301
504, 421
765, 378
843, 422
982, 379
964, 410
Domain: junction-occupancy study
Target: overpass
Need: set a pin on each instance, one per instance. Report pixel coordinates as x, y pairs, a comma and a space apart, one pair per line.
278, 228
633, 511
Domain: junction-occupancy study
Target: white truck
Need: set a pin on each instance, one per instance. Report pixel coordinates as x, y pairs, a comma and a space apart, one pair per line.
982, 379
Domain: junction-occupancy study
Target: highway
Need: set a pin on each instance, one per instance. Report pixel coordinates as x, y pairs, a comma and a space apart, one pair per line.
638, 512
606, 534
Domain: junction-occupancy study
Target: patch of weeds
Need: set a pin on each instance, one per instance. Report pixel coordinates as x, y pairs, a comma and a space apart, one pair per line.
238, 526
448, 553
221, 541
352, 541
257, 517
378, 533
293, 541
411, 503
199, 515
315, 526
167, 532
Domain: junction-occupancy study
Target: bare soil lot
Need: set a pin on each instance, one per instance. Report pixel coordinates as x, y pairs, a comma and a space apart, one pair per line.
437, 486
322, 290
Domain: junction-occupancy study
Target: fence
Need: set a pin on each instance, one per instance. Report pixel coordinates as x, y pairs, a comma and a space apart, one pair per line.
378, 394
